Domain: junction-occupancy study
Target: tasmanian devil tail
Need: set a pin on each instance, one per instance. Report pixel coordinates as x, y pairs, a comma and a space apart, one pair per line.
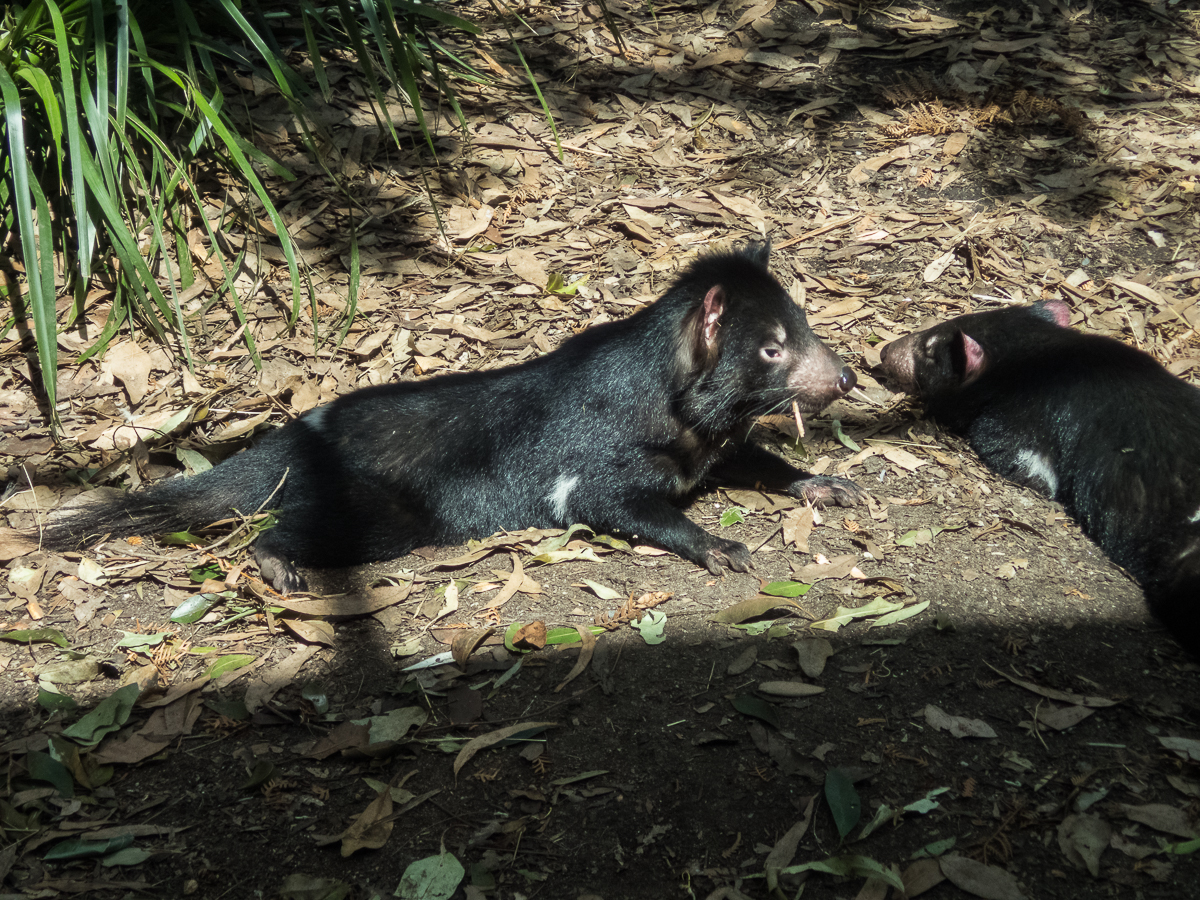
239, 485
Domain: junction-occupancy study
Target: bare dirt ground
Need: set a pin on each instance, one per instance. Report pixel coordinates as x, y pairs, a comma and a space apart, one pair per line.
1011, 721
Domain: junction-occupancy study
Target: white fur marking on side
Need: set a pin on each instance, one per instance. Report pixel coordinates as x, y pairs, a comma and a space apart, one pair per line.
1037, 467
562, 490
1195, 518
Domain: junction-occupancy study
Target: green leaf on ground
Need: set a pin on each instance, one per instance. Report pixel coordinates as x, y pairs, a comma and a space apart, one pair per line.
836, 428
651, 626
749, 705
843, 801
734, 515
230, 663
111, 713
196, 607
431, 878
78, 848
752, 609
36, 636
786, 589
44, 767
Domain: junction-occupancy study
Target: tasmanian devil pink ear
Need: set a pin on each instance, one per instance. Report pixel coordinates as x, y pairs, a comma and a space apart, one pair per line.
714, 308
1057, 311
974, 360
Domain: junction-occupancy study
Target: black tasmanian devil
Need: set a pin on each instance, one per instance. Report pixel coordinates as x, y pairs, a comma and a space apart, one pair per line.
616, 428
1092, 422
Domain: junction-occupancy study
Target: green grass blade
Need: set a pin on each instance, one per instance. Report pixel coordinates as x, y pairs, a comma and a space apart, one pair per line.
125, 246
381, 39
51, 111
437, 15
367, 68
352, 293
116, 318
99, 100
151, 105
41, 287
45, 326
279, 69
408, 68
542, 100
121, 66
233, 146
164, 170
85, 232
309, 14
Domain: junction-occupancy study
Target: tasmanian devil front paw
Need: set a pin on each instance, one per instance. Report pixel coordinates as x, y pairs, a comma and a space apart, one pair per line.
727, 555
824, 490
278, 571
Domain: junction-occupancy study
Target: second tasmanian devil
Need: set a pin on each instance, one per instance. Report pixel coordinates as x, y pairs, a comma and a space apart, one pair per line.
616, 429
1086, 419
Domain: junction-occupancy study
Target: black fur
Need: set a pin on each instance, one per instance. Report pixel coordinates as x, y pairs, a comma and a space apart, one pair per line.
615, 429
1096, 424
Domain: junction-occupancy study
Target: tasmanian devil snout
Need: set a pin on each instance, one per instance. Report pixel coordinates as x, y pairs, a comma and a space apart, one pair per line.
614, 429
819, 377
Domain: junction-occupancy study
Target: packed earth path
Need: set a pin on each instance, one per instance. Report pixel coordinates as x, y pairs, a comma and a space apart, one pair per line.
945, 691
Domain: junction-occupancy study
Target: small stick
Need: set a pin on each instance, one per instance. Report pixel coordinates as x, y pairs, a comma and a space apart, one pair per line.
799, 421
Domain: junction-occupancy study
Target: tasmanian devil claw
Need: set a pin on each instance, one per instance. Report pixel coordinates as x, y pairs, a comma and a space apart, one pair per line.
278, 571
732, 555
824, 490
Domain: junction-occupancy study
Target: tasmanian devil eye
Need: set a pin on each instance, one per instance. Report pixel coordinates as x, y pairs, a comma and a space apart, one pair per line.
772, 352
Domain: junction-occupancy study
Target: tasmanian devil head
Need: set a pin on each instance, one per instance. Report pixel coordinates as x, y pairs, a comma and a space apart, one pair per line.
950, 356
745, 346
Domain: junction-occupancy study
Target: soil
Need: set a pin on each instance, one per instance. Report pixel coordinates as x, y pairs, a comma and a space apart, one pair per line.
1041, 729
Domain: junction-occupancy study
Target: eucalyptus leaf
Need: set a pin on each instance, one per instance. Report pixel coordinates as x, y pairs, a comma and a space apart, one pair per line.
36, 636
843, 801
109, 715
431, 878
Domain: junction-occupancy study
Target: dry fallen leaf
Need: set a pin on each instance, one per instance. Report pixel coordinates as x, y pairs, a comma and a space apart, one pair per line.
958, 726
467, 642
467, 753
372, 827
1083, 840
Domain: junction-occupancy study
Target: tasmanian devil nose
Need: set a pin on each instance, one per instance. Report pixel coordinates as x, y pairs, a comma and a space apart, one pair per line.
848, 380
883, 352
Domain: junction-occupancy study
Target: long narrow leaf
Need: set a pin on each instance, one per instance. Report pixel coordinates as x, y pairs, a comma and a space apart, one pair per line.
125, 246
250, 33
40, 278
308, 14
367, 68
85, 230
51, 111
381, 38
121, 66
233, 147
352, 294
437, 15
542, 100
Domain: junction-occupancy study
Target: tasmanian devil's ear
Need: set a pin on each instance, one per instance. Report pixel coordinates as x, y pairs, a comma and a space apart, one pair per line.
1054, 311
710, 317
757, 251
702, 331
972, 358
